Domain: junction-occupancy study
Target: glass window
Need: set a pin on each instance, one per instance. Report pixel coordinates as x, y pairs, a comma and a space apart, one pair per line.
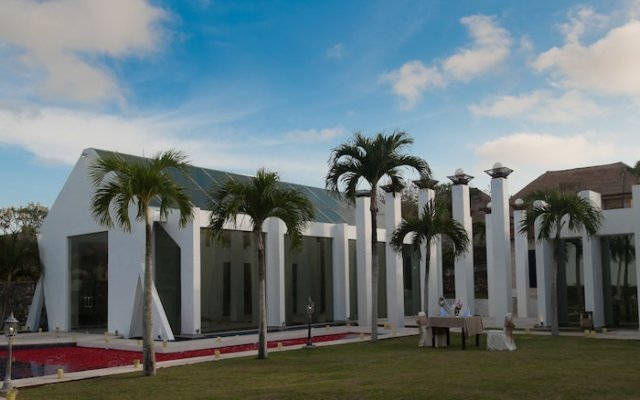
167, 276
88, 264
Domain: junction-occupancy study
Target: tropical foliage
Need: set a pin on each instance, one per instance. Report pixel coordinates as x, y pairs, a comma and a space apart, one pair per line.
123, 185
260, 197
434, 222
556, 210
19, 258
372, 161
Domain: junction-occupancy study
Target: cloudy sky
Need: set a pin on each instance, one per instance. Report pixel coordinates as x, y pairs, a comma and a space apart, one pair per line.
536, 85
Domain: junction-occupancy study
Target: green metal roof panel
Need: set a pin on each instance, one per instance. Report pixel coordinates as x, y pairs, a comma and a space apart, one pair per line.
330, 208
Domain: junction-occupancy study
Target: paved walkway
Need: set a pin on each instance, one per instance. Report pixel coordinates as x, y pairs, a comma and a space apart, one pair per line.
525, 326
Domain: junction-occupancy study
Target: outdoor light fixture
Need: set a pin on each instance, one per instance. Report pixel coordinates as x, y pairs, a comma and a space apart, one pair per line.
10, 331
459, 177
426, 183
310, 309
519, 204
499, 171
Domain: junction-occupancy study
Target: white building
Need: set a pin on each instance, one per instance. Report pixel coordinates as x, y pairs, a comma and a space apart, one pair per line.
93, 275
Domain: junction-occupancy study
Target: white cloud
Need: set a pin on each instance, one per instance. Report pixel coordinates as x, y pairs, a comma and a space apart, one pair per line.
489, 47
610, 65
545, 151
580, 20
315, 135
411, 80
540, 106
58, 136
58, 39
336, 51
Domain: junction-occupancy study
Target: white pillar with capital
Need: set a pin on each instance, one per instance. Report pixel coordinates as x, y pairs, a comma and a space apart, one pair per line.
544, 259
521, 245
341, 304
500, 286
592, 264
274, 249
395, 289
463, 265
363, 256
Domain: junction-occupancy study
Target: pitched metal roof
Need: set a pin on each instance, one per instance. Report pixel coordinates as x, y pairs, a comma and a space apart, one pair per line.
330, 208
608, 180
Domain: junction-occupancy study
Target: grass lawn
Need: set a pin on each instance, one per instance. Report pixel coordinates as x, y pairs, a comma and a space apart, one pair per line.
543, 367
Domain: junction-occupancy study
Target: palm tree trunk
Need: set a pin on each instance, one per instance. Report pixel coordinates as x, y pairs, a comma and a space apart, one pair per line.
374, 266
555, 330
262, 296
426, 279
149, 356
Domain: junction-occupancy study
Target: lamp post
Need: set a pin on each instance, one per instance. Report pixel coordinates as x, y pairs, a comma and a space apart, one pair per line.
10, 331
310, 309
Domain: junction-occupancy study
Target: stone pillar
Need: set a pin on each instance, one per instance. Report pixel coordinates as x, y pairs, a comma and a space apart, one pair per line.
500, 287
521, 245
341, 304
363, 257
395, 282
592, 262
274, 248
544, 259
463, 267
491, 308
434, 286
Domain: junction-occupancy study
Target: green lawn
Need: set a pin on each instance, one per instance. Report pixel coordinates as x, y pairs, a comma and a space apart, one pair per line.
542, 368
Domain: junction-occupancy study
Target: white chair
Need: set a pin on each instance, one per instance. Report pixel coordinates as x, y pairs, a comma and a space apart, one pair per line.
502, 340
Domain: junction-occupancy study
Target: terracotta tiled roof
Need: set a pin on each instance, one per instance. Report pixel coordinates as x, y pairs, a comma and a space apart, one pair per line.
608, 180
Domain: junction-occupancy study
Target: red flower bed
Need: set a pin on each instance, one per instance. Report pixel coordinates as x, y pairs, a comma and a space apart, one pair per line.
74, 359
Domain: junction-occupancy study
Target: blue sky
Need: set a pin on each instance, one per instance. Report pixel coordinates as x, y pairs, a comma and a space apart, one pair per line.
238, 85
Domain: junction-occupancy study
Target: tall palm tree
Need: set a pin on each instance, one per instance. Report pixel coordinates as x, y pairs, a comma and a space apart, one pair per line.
623, 251
556, 211
260, 197
427, 228
370, 160
124, 182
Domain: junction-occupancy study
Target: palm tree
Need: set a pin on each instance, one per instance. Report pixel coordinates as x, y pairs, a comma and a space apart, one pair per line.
427, 228
123, 182
370, 160
556, 211
623, 251
260, 197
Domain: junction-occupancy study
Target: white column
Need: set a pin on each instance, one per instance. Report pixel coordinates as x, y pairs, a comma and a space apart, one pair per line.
544, 259
501, 286
463, 266
490, 271
363, 258
395, 289
425, 195
522, 263
341, 305
274, 248
635, 190
592, 262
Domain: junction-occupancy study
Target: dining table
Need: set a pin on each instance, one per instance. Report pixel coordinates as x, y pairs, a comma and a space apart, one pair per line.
470, 325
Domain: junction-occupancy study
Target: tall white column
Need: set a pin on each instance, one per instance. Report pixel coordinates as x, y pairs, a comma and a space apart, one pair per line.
341, 305
544, 259
592, 262
635, 190
363, 257
425, 195
395, 289
500, 287
521, 245
463, 266
490, 272
274, 247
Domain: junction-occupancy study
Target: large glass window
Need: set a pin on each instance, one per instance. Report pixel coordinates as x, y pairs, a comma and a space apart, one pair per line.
229, 281
88, 263
167, 276
411, 278
619, 281
309, 273
353, 280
